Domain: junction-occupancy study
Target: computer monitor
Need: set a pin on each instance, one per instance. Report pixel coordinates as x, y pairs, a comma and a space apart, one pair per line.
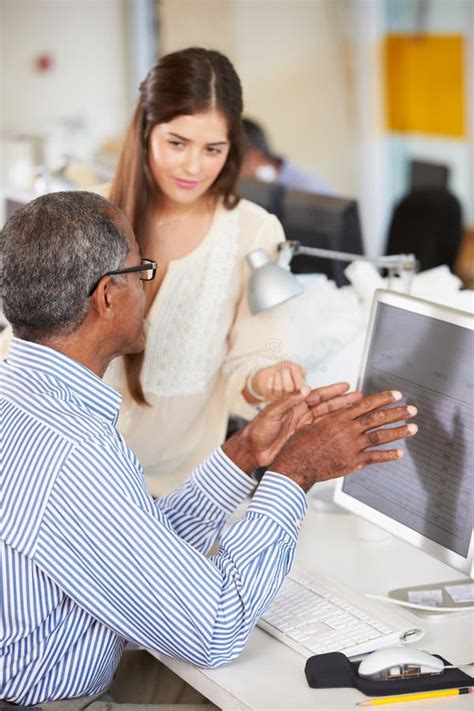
425, 350
268, 195
322, 221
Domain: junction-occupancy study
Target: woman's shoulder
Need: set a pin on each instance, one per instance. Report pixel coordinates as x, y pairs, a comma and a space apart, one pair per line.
253, 217
257, 226
253, 212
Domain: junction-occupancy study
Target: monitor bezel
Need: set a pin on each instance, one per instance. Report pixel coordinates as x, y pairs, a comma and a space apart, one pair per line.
442, 313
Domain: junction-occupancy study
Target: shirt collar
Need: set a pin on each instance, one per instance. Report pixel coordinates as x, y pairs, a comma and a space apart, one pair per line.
82, 382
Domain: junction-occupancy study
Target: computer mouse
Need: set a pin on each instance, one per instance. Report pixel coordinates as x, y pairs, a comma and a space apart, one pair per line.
399, 663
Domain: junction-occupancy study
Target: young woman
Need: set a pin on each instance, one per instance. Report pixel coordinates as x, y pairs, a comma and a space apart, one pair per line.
206, 356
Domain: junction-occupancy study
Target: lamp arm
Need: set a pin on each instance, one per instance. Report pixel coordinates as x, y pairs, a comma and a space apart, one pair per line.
289, 249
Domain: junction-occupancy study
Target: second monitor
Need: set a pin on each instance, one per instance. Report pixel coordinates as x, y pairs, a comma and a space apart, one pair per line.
322, 221
313, 220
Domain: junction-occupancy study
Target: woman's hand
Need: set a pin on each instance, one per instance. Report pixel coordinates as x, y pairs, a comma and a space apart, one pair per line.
269, 384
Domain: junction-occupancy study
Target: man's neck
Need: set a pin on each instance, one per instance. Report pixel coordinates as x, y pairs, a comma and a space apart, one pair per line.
93, 354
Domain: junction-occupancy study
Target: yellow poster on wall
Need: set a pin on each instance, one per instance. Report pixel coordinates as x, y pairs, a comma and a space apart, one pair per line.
424, 84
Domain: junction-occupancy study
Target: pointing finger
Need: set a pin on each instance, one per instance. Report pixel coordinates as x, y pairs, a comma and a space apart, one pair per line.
287, 380
378, 456
277, 386
298, 373
378, 418
374, 438
372, 402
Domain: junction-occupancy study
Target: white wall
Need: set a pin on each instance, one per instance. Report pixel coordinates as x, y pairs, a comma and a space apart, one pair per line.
297, 65
87, 39
295, 60
206, 23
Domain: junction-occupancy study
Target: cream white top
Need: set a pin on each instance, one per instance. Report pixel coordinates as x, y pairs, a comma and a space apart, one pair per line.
202, 342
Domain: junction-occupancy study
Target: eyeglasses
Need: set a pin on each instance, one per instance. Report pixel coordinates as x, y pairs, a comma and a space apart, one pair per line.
147, 267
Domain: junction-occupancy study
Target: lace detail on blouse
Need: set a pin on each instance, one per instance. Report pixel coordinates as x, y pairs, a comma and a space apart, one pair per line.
189, 322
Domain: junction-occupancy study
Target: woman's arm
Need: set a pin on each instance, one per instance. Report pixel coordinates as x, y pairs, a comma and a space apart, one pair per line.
262, 341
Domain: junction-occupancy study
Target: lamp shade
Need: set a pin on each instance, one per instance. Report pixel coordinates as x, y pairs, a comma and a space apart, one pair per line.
269, 284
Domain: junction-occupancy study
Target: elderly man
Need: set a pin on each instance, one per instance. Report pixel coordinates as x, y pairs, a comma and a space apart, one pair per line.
89, 559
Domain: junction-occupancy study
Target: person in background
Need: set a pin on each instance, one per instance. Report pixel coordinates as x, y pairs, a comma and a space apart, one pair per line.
262, 163
206, 356
89, 559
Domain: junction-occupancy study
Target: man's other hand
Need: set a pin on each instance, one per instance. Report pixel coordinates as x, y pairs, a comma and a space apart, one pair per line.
342, 442
261, 440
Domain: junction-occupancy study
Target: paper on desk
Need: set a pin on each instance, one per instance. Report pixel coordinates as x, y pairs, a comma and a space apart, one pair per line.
461, 593
433, 598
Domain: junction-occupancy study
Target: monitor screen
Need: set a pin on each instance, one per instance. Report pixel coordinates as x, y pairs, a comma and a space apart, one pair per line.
322, 221
426, 351
268, 195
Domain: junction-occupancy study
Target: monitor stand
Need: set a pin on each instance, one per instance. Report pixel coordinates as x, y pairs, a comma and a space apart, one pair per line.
320, 498
436, 593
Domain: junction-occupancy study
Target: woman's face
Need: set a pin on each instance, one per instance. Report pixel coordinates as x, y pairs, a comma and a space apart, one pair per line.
187, 154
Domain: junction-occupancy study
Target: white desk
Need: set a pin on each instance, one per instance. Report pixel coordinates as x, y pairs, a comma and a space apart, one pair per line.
270, 676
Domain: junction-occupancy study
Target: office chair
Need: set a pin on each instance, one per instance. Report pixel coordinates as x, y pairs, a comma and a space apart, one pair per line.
428, 175
427, 222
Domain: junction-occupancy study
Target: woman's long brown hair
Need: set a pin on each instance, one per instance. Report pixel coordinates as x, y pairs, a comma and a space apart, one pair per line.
186, 82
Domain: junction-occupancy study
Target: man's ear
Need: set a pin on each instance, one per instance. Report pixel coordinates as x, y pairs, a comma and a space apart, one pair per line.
104, 298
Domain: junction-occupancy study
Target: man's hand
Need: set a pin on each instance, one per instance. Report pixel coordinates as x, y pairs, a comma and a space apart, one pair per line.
261, 440
331, 398
342, 442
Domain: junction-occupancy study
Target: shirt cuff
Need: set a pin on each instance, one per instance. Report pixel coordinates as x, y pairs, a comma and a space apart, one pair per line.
222, 481
282, 500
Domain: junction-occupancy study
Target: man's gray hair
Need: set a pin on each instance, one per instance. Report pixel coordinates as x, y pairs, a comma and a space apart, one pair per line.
52, 252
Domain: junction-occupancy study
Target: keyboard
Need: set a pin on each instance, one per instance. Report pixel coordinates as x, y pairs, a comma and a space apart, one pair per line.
317, 615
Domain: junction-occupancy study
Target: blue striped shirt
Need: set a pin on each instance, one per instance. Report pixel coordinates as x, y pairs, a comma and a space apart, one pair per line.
90, 560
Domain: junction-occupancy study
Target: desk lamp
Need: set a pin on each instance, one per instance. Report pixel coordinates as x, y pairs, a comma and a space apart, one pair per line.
271, 283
